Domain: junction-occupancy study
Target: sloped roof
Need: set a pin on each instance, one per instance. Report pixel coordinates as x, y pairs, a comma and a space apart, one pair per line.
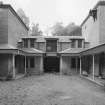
7, 46
32, 51
60, 38
72, 51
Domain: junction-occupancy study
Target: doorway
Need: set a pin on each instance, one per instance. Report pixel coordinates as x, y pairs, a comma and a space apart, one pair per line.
51, 64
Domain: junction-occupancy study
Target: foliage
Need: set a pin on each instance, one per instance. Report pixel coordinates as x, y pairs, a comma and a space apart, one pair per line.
69, 30
35, 31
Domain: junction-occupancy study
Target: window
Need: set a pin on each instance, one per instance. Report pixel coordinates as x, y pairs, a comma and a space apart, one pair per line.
73, 43
32, 43
32, 62
20, 45
25, 41
51, 45
79, 43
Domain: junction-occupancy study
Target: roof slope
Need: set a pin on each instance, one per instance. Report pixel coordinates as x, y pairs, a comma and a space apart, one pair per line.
32, 51
72, 51
7, 46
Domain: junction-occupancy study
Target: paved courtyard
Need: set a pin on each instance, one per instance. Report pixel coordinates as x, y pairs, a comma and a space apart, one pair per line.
51, 89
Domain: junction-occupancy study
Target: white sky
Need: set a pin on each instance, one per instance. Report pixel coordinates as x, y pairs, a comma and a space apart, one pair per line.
48, 12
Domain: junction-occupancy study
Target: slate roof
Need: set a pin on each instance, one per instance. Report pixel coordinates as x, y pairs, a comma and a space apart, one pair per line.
7, 46
32, 51
60, 38
72, 51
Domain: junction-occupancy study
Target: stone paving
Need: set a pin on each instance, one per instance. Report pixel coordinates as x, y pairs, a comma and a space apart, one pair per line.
51, 89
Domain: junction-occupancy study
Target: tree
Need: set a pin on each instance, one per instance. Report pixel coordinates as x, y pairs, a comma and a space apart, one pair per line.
73, 30
23, 16
58, 29
69, 30
35, 31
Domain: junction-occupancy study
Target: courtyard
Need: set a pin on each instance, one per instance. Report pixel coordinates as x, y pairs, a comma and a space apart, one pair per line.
51, 89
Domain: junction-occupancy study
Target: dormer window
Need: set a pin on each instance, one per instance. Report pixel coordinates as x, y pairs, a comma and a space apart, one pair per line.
73, 43
79, 43
25, 43
32, 43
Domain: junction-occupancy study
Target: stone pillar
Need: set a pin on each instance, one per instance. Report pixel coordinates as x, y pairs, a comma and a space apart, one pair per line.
13, 63
28, 43
76, 43
80, 66
61, 64
41, 64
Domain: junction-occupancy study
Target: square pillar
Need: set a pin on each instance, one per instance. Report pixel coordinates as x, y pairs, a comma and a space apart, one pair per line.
13, 63
61, 63
80, 66
76, 43
41, 66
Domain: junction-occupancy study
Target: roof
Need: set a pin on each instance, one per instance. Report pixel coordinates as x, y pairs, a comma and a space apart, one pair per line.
32, 51
60, 38
13, 11
100, 3
97, 49
72, 51
7, 46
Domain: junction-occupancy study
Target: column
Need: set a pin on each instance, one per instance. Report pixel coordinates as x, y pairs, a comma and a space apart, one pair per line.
76, 43
13, 62
29, 43
80, 66
25, 65
93, 67
61, 63
41, 64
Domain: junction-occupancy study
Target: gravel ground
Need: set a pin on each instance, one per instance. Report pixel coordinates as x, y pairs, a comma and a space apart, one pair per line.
51, 89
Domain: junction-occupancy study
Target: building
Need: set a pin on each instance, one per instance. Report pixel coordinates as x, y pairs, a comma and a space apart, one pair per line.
24, 54
13, 59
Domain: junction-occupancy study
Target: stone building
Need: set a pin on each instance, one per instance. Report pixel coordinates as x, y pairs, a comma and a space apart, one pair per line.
24, 54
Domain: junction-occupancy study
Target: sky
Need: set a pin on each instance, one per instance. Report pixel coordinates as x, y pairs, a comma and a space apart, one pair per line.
48, 12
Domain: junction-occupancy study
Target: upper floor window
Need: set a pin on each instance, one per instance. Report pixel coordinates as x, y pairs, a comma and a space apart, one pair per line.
80, 43
25, 41
51, 45
32, 43
73, 43
20, 44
